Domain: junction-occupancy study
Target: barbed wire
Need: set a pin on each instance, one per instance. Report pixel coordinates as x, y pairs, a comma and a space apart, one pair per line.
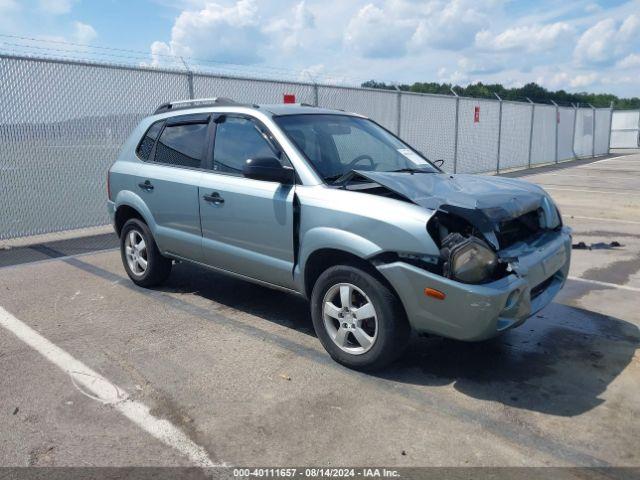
80, 51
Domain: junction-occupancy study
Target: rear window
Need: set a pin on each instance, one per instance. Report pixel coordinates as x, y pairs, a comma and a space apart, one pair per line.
182, 145
146, 144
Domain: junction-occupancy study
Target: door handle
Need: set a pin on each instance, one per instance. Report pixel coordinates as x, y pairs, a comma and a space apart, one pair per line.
214, 198
146, 185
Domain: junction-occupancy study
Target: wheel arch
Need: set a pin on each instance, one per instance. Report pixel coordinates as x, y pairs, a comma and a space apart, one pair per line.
324, 258
129, 205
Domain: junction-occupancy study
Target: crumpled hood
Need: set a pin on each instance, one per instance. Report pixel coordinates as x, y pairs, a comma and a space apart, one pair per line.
499, 198
482, 200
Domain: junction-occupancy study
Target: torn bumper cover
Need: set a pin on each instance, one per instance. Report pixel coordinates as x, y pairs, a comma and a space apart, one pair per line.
476, 312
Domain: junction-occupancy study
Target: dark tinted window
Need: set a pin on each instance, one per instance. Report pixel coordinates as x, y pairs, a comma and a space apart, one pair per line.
182, 145
146, 144
237, 140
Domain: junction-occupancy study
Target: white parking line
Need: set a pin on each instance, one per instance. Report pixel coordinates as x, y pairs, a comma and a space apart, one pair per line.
605, 219
592, 191
101, 389
585, 176
605, 284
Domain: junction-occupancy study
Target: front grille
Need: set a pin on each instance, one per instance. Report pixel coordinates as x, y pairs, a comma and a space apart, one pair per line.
519, 229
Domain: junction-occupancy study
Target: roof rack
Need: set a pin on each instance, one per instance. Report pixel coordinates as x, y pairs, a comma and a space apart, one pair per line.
198, 102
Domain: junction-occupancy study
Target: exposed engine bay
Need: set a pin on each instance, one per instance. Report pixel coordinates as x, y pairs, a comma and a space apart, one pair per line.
476, 219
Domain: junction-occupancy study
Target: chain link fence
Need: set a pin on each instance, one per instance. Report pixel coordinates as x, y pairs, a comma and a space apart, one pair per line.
62, 123
625, 129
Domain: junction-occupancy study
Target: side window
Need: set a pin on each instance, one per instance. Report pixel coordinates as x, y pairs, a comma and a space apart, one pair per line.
182, 145
146, 144
237, 140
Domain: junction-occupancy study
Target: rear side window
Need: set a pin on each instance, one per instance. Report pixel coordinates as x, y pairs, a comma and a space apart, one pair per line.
237, 140
182, 145
146, 144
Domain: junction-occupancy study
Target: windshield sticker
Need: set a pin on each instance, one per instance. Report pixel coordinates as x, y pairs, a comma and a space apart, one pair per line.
413, 156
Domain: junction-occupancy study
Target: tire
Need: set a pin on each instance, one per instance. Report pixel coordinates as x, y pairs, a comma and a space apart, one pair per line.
157, 268
390, 332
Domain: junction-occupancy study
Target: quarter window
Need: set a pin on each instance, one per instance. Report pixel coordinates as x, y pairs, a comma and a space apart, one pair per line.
237, 140
146, 144
182, 145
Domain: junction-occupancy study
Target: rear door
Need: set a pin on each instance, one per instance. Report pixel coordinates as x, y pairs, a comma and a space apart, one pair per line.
247, 225
168, 181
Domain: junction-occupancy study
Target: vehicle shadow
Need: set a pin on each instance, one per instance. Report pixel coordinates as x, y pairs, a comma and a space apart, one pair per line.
273, 305
559, 362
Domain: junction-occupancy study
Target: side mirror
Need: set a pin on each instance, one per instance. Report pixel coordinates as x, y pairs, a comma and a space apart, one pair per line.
268, 169
438, 163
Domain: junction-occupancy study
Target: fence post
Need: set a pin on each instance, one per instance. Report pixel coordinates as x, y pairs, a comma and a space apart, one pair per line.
189, 78
398, 109
499, 131
455, 143
593, 131
533, 114
575, 126
315, 94
610, 126
557, 123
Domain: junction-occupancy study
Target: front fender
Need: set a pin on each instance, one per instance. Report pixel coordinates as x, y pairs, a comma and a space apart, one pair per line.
323, 238
333, 238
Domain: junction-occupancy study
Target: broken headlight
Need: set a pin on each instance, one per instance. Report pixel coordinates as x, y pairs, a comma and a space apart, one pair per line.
468, 259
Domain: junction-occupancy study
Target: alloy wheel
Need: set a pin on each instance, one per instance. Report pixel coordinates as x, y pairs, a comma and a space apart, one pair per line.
135, 250
350, 318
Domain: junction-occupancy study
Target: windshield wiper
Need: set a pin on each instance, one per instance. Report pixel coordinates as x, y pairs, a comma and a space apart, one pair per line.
411, 170
340, 177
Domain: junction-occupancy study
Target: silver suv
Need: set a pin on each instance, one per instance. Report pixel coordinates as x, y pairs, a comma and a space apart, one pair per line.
331, 206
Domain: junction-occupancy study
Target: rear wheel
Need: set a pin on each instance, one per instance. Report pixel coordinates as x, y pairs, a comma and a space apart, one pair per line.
140, 255
359, 321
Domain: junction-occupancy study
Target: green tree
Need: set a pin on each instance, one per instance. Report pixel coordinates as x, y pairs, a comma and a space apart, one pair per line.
532, 90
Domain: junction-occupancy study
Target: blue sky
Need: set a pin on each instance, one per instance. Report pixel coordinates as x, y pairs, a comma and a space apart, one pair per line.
576, 45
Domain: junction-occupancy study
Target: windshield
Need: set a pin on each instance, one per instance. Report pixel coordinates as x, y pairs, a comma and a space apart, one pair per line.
337, 144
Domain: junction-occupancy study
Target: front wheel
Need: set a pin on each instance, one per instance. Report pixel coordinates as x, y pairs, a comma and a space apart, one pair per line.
140, 255
358, 319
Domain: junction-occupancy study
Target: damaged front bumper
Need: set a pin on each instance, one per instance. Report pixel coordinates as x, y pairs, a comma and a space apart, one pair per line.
477, 312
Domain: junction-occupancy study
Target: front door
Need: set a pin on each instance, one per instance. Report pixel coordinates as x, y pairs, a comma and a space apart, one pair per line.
247, 225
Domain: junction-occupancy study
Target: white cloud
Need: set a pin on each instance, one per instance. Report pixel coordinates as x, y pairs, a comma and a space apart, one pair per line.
592, 8
532, 38
607, 40
456, 77
84, 33
393, 28
215, 32
584, 80
7, 6
629, 29
481, 64
293, 30
450, 25
415, 40
56, 7
373, 34
630, 61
